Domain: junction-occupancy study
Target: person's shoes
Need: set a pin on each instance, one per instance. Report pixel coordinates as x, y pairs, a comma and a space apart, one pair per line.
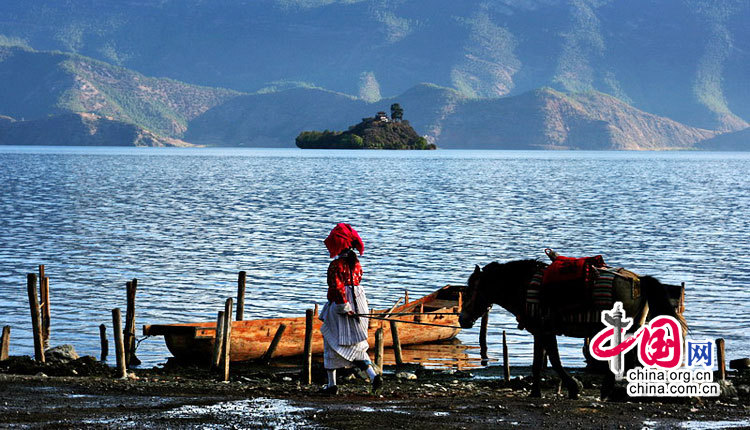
377, 384
329, 391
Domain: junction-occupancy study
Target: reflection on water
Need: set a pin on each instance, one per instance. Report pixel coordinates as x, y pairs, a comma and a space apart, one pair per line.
184, 222
452, 353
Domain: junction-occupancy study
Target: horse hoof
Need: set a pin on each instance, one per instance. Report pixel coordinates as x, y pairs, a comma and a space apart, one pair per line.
575, 389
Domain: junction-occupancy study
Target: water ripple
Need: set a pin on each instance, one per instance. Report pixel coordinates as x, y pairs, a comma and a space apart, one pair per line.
185, 221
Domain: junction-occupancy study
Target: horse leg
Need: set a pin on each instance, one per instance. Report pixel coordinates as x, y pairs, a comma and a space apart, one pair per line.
614, 390
536, 367
574, 386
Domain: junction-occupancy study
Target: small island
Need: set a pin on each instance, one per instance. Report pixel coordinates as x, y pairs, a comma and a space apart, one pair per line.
378, 132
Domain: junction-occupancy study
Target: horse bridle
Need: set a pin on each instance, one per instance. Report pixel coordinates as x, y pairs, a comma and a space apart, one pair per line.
480, 295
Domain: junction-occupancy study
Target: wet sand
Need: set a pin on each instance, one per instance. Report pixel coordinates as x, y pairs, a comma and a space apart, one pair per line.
84, 394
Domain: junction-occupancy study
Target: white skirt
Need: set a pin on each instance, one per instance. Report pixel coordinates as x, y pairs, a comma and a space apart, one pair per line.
344, 336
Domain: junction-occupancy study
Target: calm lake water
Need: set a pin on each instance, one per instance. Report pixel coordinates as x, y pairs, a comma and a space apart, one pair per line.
185, 221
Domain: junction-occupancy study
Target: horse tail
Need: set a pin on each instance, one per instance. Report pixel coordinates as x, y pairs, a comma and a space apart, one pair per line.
658, 300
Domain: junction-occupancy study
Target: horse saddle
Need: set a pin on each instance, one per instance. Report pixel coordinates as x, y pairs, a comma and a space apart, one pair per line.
577, 285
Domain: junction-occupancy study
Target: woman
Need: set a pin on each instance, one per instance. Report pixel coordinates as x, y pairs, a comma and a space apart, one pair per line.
344, 331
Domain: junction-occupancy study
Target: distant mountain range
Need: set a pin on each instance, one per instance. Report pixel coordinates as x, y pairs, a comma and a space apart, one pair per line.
593, 74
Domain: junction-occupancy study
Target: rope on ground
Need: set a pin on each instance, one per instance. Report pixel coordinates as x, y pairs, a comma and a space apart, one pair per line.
409, 322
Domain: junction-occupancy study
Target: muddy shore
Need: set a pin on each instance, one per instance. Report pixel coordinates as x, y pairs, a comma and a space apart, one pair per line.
85, 394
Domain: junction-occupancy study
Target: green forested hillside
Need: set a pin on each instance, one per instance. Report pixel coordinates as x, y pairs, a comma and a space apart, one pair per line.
72, 129
548, 119
686, 60
35, 84
510, 74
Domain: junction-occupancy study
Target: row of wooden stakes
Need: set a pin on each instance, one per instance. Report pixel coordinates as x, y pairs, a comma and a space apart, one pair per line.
222, 345
125, 339
40, 316
39, 305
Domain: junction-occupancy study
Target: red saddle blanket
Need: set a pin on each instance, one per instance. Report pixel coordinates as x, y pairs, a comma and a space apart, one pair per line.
570, 287
569, 269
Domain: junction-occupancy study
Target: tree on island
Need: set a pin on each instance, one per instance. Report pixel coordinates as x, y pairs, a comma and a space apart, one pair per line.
372, 133
397, 113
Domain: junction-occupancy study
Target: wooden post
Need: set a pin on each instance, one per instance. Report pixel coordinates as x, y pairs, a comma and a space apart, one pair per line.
41, 289
682, 299
379, 349
483, 338
506, 363
130, 357
4, 343
460, 301
396, 344
44, 302
126, 331
36, 321
315, 311
119, 343
241, 280
227, 344
308, 345
104, 341
406, 297
720, 359
44, 297
274, 343
218, 342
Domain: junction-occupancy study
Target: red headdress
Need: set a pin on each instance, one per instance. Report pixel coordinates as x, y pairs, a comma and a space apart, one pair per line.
343, 236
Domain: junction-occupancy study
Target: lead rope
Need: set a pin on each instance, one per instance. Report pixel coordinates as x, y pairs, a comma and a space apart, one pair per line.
411, 322
409, 313
138, 342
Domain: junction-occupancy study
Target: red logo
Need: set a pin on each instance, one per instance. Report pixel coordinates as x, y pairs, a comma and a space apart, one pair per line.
660, 341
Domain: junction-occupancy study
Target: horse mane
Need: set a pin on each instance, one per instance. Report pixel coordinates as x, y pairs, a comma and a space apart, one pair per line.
509, 280
658, 300
512, 270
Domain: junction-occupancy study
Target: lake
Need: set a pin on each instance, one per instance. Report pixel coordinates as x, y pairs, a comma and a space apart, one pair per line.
185, 221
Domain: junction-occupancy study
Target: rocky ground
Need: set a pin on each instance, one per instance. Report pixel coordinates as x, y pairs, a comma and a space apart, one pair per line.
84, 393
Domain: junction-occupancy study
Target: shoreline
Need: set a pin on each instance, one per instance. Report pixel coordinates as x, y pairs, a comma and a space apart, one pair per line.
261, 396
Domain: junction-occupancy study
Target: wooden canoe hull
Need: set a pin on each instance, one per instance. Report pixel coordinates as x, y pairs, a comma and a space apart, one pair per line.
250, 339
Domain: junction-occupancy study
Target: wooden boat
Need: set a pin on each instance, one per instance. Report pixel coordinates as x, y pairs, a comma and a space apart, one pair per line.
250, 339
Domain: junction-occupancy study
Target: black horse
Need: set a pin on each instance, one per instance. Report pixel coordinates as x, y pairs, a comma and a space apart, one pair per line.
506, 285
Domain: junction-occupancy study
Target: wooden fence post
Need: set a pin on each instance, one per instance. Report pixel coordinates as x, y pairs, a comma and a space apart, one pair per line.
241, 280
218, 342
130, 357
308, 346
227, 346
4, 343
36, 322
506, 363
44, 297
396, 344
44, 303
483, 338
119, 343
274, 343
720, 359
104, 341
379, 349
